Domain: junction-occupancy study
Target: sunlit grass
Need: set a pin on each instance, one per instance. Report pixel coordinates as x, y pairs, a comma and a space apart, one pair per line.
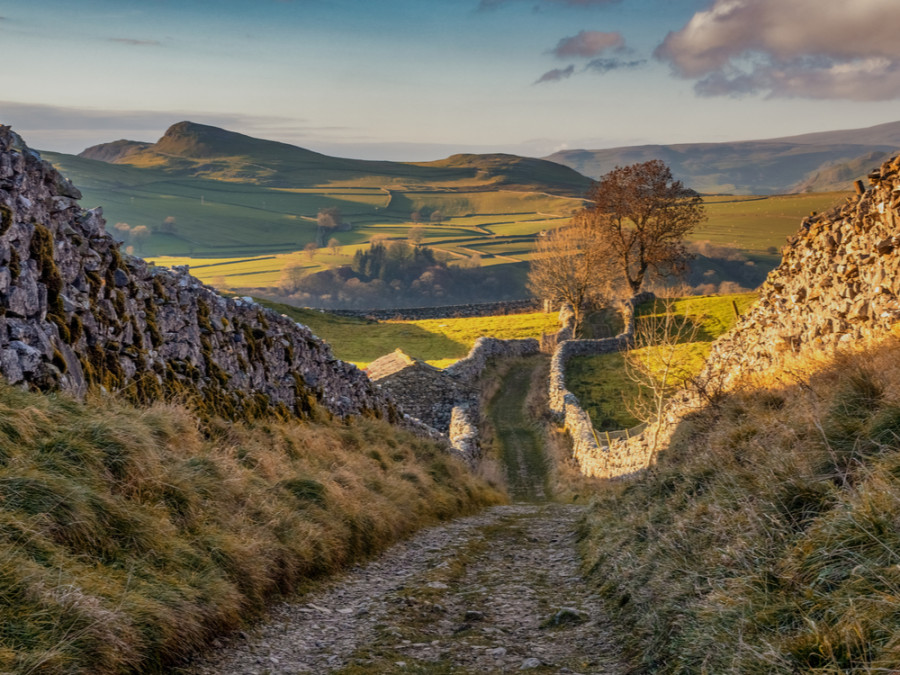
601, 383
765, 539
440, 342
129, 539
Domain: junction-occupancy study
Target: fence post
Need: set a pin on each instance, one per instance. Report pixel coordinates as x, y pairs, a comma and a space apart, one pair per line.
737, 314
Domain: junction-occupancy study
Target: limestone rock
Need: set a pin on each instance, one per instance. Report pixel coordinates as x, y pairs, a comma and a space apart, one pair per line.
76, 312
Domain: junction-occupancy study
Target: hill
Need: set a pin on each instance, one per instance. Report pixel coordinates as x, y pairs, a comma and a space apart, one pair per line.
204, 151
772, 166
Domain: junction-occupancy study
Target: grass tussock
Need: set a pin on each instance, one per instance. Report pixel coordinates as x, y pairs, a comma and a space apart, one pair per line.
128, 539
767, 539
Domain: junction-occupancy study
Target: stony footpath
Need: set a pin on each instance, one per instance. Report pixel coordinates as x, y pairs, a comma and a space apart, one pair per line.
498, 592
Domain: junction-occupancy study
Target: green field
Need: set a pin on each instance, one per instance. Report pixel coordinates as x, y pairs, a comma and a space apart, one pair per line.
753, 223
440, 342
244, 212
600, 382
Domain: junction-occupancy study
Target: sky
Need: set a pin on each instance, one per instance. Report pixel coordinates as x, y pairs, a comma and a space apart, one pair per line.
422, 79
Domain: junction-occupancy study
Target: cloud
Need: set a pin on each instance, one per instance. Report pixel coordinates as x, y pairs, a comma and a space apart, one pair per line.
605, 65
136, 43
822, 49
556, 75
588, 43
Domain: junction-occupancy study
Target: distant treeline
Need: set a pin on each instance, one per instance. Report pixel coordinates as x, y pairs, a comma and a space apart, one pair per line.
399, 274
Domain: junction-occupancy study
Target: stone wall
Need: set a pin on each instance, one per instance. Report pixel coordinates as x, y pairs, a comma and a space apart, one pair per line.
427, 393
75, 312
568, 348
443, 312
469, 369
446, 400
595, 458
836, 288
837, 285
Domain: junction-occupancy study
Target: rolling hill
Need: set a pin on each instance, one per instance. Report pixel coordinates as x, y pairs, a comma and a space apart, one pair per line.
201, 151
810, 162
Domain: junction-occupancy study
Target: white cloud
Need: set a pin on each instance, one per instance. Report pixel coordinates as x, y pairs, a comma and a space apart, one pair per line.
835, 49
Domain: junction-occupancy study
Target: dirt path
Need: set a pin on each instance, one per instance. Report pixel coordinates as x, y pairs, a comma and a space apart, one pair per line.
499, 592
522, 450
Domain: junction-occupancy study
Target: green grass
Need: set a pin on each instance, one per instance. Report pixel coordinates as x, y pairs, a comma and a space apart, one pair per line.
440, 342
765, 541
128, 539
754, 224
601, 383
232, 217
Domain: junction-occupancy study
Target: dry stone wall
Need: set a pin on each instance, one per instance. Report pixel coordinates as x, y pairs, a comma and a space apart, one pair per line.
469, 369
75, 312
446, 400
594, 458
837, 287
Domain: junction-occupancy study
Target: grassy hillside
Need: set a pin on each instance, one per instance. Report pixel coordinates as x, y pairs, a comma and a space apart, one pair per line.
766, 539
440, 342
204, 151
240, 210
600, 382
128, 539
771, 166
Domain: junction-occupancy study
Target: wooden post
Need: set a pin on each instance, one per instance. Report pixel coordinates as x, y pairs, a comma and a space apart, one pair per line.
737, 314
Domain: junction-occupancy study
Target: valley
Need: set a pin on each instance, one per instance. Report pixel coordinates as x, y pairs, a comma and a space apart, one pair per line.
243, 213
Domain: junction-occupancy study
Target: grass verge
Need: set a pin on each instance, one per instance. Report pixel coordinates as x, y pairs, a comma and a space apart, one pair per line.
439, 342
128, 539
766, 539
603, 387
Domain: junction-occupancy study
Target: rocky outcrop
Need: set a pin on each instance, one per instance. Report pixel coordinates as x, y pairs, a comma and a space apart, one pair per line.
75, 312
838, 284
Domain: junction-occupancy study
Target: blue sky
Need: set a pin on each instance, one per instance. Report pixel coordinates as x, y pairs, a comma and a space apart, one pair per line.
420, 79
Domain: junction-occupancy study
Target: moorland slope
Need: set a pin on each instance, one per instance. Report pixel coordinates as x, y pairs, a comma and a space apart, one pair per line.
769, 166
188, 148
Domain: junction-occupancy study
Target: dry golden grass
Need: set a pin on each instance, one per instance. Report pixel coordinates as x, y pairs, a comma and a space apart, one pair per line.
766, 540
128, 539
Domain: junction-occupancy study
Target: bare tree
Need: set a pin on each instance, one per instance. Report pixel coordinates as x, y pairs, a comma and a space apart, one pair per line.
334, 245
310, 249
660, 364
122, 230
572, 264
645, 215
139, 235
291, 278
437, 217
416, 235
